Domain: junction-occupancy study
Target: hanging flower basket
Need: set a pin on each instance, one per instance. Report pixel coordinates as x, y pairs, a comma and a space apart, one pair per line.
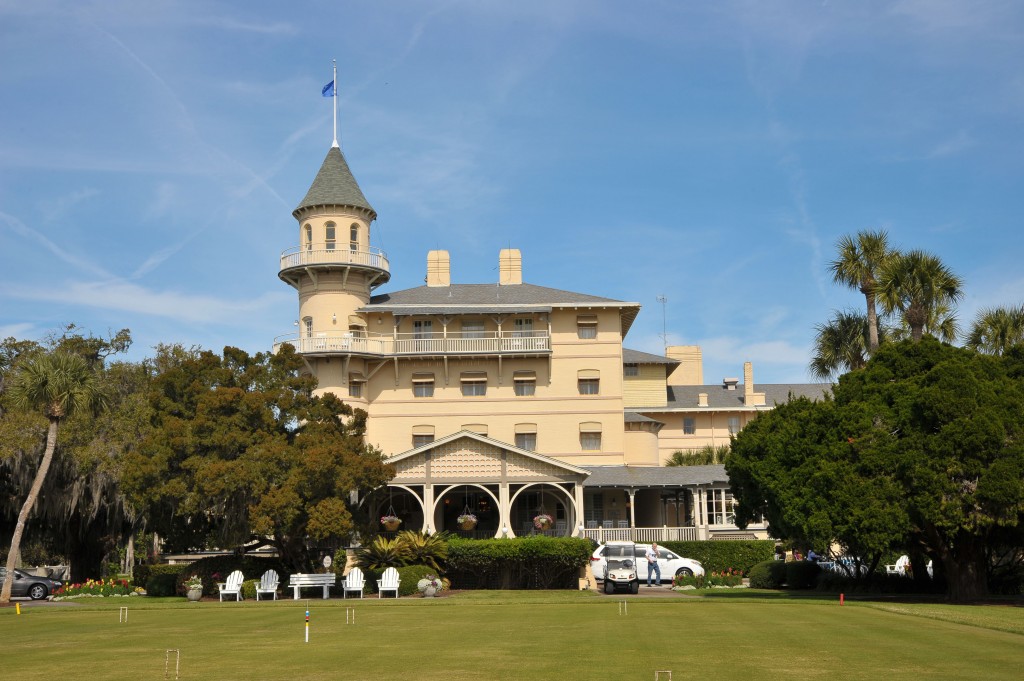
467, 521
390, 522
542, 521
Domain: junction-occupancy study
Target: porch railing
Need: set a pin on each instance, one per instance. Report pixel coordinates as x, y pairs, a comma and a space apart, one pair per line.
642, 535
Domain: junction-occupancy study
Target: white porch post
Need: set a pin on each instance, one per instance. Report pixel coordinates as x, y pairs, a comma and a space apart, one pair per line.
504, 510
701, 500
428, 508
578, 495
632, 507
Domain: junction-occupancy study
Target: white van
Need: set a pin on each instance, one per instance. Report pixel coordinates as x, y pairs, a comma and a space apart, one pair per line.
670, 563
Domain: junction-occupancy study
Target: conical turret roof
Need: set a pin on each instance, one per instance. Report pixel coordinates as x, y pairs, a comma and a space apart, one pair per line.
334, 186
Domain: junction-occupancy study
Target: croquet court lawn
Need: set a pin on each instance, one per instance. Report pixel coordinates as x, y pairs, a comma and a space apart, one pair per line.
513, 635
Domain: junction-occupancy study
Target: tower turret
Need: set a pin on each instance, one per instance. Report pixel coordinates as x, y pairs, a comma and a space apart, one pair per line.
334, 269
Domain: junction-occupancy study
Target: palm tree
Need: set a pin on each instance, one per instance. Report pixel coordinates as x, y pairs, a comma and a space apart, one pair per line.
860, 259
58, 384
917, 285
840, 346
706, 455
941, 323
996, 330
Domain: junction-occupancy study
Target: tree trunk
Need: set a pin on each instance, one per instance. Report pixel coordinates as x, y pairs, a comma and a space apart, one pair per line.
872, 323
966, 576
26, 509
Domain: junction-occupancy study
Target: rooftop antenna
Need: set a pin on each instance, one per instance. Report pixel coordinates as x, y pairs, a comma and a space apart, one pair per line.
664, 329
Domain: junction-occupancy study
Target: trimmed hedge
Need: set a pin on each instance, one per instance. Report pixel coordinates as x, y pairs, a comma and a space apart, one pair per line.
801, 574
535, 562
142, 573
161, 585
718, 555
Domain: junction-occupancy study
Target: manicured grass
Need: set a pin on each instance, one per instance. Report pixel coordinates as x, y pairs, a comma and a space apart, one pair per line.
561, 635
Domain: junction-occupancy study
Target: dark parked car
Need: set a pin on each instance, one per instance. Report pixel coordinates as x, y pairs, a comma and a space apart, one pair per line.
33, 586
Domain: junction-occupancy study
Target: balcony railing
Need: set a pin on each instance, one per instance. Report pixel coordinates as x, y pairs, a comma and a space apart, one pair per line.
532, 342
301, 257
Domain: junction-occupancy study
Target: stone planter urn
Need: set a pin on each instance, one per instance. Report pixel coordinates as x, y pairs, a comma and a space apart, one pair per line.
429, 592
194, 595
427, 588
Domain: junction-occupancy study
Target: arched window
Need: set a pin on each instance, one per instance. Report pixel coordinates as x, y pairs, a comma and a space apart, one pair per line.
353, 237
308, 229
330, 236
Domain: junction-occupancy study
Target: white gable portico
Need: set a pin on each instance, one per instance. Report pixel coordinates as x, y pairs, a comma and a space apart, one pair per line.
504, 486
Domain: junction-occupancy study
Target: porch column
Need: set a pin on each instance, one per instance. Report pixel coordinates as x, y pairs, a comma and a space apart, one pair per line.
504, 510
428, 494
632, 507
701, 503
578, 496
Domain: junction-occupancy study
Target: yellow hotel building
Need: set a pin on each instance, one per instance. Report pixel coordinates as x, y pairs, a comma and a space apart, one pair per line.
509, 399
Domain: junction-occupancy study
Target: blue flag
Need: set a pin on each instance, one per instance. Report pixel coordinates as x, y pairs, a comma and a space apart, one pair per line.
328, 90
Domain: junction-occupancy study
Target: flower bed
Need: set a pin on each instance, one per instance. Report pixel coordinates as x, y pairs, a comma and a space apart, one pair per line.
96, 589
716, 579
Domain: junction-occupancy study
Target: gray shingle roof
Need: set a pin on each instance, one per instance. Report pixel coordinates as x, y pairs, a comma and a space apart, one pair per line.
633, 417
685, 396
654, 476
485, 296
334, 186
637, 357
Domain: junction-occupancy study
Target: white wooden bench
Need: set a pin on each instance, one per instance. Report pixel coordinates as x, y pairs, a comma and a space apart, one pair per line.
301, 580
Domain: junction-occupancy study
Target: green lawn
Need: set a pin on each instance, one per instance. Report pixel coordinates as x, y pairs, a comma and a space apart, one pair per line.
517, 635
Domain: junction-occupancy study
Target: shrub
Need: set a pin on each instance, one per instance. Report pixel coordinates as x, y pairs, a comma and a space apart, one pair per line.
410, 576
717, 555
249, 589
801, 574
535, 562
768, 574
144, 572
161, 585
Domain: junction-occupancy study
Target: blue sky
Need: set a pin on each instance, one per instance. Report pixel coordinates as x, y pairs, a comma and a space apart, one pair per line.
713, 153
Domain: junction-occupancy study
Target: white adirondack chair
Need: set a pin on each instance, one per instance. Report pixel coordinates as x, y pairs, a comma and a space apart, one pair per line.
354, 582
388, 582
232, 586
268, 585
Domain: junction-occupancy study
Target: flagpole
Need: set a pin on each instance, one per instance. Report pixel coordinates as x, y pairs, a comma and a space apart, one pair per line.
335, 100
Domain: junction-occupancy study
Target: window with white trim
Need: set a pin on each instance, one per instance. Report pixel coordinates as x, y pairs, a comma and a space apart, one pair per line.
330, 236
689, 425
309, 236
630, 369
353, 237
720, 507
522, 327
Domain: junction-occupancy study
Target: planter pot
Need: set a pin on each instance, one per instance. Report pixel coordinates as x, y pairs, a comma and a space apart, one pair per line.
391, 525
429, 592
194, 595
467, 524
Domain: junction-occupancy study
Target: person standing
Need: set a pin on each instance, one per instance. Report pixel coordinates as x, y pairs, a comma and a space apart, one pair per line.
652, 563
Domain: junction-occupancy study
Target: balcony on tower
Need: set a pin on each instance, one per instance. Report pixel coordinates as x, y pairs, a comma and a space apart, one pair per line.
419, 345
295, 262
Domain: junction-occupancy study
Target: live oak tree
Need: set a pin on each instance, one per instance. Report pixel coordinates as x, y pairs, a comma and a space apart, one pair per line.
79, 514
920, 450
241, 453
